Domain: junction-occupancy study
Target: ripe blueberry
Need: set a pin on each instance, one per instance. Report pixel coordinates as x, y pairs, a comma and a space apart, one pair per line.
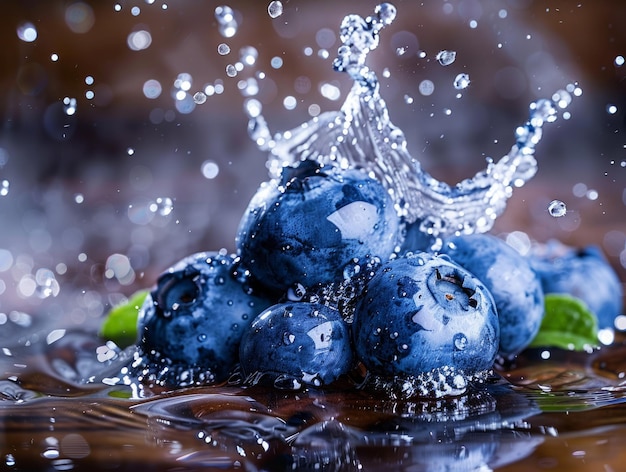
198, 313
309, 226
421, 313
582, 273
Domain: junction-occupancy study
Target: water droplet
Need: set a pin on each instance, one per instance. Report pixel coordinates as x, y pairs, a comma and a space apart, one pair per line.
461, 81
619, 61
152, 89
408, 99
231, 71
199, 97
275, 9
400, 51
426, 87
288, 338
223, 49
296, 292
27, 32
130, 151
248, 55
460, 341
287, 382
210, 169
290, 102
276, 62
4, 188
139, 40
446, 58
54, 57
557, 208
611, 109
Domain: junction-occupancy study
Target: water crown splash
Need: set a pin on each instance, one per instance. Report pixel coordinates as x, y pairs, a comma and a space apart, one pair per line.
361, 135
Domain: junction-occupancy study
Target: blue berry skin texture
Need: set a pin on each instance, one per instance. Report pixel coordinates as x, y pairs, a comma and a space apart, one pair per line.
291, 344
308, 227
509, 277
198, 313
582, 273
422, 312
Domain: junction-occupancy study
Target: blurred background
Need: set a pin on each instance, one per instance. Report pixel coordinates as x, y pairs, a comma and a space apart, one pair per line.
124, 146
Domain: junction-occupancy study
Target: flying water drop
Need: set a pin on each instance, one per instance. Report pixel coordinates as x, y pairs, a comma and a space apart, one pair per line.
445, 58
426, 87
199, 97
461, 81
275, 9
557, 208
27, 32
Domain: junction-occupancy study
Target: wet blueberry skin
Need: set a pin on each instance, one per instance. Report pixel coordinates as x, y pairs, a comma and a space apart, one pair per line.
422, 312
509, 277
305, 341
307, 227
583, 273
198, 313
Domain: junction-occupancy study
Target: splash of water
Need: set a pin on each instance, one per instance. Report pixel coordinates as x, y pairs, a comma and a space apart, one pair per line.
362, 135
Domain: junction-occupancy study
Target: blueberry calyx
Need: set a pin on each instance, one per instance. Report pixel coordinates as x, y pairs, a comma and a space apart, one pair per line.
447, 284
176, 291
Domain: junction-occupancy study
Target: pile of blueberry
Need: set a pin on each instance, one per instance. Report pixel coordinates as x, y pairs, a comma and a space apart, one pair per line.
325, 284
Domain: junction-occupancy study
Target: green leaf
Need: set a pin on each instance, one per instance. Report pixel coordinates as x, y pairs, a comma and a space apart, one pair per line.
120, 325
567, 323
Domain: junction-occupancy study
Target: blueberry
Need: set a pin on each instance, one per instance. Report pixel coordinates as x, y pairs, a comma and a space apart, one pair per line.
583, 273
198, 313
309, 226
298, 343
421, 313
509, 277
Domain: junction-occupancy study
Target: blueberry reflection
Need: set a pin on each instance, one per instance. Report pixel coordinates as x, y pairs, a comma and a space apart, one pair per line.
483, 429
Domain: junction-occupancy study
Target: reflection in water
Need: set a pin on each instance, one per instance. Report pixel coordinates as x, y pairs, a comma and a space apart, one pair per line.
50, 419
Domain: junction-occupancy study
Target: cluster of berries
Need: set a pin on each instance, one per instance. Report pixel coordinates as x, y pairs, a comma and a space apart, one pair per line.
325, 281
